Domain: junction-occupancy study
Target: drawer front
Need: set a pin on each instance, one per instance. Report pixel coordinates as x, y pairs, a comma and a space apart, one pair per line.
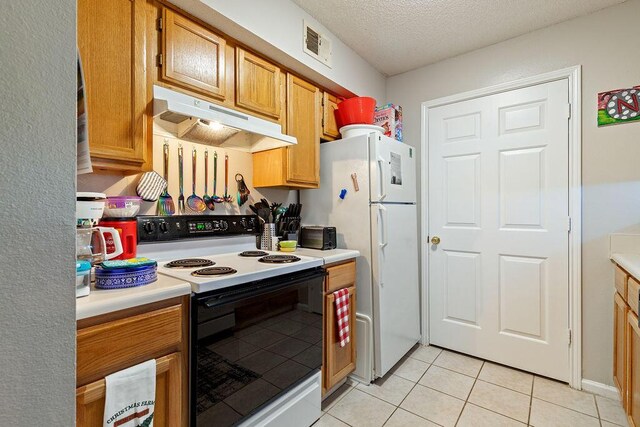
340, 276
621, 281
633, 287
109, 347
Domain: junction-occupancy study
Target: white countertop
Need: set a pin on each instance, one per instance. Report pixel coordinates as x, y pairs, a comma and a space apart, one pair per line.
329, 256
101, 301
628, 261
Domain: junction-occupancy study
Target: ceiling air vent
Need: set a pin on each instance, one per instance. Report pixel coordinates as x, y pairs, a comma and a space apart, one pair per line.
317, 45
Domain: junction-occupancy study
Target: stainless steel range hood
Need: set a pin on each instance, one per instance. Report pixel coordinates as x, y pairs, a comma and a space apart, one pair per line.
203, 122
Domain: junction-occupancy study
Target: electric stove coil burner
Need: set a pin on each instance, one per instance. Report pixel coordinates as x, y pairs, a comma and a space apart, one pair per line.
253, 254
213, 271
190, 263
279, 259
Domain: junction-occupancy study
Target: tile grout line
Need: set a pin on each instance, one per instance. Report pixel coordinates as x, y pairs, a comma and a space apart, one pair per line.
533, 380
475, 380
405, 398
597, 410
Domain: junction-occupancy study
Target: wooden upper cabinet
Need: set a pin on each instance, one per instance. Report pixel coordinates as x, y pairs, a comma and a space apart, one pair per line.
258, 84
192, 56
296, 166
303, 111
111, 41
330, 129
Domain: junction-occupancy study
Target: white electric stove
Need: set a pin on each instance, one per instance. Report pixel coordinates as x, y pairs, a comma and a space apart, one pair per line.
256, 320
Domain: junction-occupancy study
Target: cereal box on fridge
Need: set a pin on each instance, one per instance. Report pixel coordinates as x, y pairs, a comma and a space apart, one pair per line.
390, 118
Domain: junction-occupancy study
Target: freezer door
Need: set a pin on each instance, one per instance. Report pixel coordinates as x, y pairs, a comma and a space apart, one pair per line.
396, 295
392, 170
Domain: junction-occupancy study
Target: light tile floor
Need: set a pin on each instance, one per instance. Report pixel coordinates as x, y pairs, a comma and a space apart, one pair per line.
435, 387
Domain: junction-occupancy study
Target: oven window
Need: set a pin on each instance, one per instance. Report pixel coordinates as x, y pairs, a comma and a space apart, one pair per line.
252, 351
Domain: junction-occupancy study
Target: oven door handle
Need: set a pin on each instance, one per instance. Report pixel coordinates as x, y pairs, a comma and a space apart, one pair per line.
260, 288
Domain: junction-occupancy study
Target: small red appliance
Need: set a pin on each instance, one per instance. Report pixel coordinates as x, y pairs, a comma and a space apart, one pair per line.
128, 230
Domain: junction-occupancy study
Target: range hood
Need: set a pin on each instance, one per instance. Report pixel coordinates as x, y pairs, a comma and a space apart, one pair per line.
203, 122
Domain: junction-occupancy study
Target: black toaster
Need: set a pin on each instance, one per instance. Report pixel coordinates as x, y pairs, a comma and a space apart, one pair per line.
318, 237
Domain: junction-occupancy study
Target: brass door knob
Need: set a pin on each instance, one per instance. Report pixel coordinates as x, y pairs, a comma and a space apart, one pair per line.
435, 240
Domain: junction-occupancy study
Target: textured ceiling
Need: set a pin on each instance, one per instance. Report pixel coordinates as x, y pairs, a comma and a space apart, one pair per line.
401, 35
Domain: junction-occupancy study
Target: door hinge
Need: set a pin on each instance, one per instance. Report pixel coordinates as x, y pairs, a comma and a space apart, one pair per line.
159, 60
159, 24
323, 123
568, 111
569, 336
569, 224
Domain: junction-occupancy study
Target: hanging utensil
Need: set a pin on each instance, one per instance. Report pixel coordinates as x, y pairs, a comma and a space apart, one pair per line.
181, 180
215, 197
195, 203
227, 197
208, 201
243, 190
165, 202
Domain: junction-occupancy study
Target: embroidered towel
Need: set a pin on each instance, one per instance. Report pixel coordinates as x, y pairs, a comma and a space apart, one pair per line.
342, 315
130, 396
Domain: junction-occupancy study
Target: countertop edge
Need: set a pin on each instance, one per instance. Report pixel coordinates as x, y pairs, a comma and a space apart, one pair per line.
331, 256
122, 302
630, 262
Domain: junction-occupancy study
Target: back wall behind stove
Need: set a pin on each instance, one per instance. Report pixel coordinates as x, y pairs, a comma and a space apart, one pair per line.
239, 162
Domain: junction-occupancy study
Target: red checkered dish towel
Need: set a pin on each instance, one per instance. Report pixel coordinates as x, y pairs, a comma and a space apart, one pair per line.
342, 315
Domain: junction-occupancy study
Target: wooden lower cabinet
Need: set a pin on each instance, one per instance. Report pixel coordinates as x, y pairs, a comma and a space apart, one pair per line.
169, 396
115, 341
620, 311
338, 362
633, 370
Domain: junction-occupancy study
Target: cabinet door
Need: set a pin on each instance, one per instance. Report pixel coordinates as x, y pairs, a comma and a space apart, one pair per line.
620, 310
633, 370
258, 84
111, 42
303, 113
193, 57
339, 361
329, 126
169, 392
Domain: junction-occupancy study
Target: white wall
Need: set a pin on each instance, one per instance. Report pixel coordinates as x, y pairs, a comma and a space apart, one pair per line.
274, 28
37, 234
605, 44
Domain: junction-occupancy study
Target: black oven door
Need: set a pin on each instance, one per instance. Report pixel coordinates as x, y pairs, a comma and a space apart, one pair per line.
252, 343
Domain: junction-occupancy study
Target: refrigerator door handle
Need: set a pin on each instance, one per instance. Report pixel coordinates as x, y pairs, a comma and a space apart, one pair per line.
382, 223
383, 193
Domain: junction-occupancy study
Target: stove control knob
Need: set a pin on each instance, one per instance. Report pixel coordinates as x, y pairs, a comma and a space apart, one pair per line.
149, 227
224, 225
164, 227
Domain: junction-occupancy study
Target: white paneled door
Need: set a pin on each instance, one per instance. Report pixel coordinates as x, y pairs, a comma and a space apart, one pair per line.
498, 203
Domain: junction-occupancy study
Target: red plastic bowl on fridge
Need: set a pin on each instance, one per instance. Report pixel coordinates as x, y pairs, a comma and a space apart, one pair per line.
355, 111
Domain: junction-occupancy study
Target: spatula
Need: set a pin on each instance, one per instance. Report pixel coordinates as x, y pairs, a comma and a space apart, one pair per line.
215, 196
165, 202
207, 200
227, 196
195, 203
181, 178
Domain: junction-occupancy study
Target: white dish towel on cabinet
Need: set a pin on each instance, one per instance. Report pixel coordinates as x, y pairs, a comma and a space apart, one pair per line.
130, 396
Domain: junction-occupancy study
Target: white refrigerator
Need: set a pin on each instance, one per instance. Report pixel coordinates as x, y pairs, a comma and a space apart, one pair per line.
379, 219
